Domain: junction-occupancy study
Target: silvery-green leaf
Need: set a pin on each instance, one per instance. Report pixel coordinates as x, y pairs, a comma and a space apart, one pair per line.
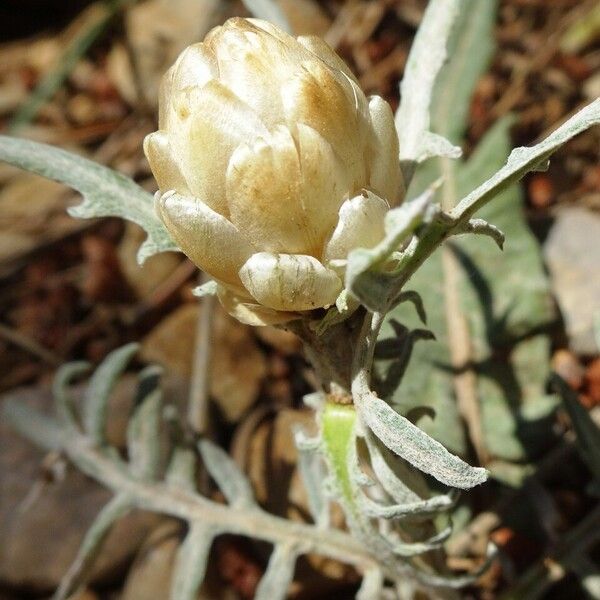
394, 475
481, 227
181, 471
504, 297
44, 431
143, 444
206, 289
365, 278
118, 507
415, 446
191, 561
470, 49
100, 386
407, 549
279, 574
231, 481
427, 55
310, 465
269, 10
62, 394
525, 159
404, 510
371, 586
106, 193
436, 145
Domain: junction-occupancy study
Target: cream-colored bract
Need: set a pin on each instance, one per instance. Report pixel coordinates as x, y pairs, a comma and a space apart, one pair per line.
271, 163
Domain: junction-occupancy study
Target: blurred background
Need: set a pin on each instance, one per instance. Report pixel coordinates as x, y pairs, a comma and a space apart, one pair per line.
84, 76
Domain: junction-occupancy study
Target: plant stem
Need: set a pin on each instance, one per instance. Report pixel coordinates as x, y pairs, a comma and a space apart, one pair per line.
176, 502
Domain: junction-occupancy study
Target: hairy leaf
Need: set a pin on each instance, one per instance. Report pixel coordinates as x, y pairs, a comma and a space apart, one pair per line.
425, 60
118, 507
231, 481
416, 447
504, 297
143, 442
191, 561
279, 574
97, 394
106, 193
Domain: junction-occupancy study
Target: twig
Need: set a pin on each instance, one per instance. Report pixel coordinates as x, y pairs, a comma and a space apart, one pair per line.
200, 380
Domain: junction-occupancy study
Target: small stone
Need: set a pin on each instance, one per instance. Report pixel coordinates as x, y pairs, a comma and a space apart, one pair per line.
572, 253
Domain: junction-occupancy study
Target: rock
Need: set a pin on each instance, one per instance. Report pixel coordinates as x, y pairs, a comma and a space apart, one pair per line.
572, 253
43, 520
237, 364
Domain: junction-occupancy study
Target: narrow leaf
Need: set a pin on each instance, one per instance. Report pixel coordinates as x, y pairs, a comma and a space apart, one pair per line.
63, 397
371, 586
415, 446
525, 159
408, 549
410, 509
40, 429
181, 471
97, 394
118, 507
106, 193
143, 442
427, 55
231, 481
278, 576
191, 561
312, 473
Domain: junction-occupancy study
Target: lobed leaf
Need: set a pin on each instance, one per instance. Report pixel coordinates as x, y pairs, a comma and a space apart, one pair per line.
106, 192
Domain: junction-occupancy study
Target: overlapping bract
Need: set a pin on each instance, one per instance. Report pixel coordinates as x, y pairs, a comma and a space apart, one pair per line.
272, 165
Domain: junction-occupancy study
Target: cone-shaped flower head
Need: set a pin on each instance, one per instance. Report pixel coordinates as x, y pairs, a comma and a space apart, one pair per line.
272, 164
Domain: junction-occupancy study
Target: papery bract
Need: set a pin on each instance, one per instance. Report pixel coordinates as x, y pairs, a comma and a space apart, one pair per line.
271, 163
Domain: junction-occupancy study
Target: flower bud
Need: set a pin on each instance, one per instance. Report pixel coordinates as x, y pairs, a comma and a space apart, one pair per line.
272, 165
